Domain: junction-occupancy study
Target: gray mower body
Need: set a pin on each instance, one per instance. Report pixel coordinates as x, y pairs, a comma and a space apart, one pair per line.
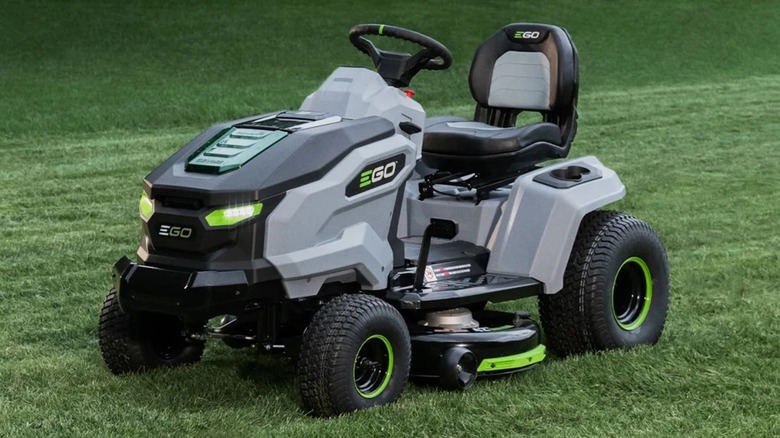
529, 227
340, 207
366, 240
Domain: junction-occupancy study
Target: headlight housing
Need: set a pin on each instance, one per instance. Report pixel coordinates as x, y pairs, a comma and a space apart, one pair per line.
225, 217
146, 207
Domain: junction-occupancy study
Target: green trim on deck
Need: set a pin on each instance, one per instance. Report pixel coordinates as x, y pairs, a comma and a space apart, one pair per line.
521, 360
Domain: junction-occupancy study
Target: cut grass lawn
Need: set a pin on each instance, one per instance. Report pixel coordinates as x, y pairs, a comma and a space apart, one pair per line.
95, 95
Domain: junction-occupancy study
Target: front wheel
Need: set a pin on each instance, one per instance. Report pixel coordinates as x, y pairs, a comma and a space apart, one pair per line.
137, 342
616, 288
355, 354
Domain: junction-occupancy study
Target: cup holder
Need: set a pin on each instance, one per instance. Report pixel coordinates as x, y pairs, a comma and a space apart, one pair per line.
570, 173
569, 176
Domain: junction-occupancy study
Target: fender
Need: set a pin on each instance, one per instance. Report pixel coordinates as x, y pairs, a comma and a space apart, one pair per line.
336, 229
537, 229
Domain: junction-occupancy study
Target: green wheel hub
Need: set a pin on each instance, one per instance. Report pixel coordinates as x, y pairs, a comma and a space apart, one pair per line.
373, 366
632, 292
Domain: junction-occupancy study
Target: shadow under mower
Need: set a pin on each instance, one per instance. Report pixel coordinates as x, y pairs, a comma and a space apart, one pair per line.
364, 240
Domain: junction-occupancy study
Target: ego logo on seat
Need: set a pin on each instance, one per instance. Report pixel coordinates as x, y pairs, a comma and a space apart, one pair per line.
172, 231
527, 35
376, 175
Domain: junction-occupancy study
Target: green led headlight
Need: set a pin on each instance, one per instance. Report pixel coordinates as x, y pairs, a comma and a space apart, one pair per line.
225, 217
146, 207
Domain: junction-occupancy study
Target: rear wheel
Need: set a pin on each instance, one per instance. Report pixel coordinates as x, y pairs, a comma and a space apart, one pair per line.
355, 354
616, 288
136, 342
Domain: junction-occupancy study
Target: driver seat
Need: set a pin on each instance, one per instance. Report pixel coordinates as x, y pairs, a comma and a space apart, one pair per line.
522, 67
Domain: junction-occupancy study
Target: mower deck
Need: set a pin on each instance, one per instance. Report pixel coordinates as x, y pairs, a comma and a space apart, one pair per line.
503, 343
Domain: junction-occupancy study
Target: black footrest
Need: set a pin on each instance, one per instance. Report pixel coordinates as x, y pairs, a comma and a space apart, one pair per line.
464, 291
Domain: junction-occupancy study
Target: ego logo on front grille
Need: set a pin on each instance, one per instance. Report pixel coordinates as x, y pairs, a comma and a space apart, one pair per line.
174, 231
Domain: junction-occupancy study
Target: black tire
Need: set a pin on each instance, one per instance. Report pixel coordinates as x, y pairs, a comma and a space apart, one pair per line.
141, 342
616, 288
355, 354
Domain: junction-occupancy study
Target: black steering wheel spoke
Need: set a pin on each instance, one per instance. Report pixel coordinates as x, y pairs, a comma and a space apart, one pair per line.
398, 69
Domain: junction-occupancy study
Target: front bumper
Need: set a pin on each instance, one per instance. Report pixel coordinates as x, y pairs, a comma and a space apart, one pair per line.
191, 295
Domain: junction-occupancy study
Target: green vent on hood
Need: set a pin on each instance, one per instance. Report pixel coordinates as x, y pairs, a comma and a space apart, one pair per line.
231, 149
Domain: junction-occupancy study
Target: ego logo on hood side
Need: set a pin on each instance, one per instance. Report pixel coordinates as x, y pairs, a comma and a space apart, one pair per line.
376, 175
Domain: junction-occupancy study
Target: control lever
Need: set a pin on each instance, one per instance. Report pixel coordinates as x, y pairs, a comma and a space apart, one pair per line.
441, 228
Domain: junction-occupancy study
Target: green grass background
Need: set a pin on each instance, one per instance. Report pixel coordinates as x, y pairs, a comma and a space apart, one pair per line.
680, 97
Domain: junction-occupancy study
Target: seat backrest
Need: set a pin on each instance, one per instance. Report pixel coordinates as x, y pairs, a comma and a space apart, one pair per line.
526, 67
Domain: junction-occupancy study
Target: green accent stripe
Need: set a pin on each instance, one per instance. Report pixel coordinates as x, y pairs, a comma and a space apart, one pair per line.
388, 374
521, 360
648, 294
365, 178
381, 28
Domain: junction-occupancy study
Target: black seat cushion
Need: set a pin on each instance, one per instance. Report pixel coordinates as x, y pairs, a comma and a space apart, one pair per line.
457, 144
457, 137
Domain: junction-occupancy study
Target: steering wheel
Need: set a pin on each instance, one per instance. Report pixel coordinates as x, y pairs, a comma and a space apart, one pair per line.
397, 69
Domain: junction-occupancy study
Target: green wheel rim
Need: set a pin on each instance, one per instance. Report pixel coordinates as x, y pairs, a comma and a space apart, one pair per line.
632, 292
373, 366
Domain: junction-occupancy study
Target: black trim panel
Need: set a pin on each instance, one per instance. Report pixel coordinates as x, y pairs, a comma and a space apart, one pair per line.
191, 295
302, 157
